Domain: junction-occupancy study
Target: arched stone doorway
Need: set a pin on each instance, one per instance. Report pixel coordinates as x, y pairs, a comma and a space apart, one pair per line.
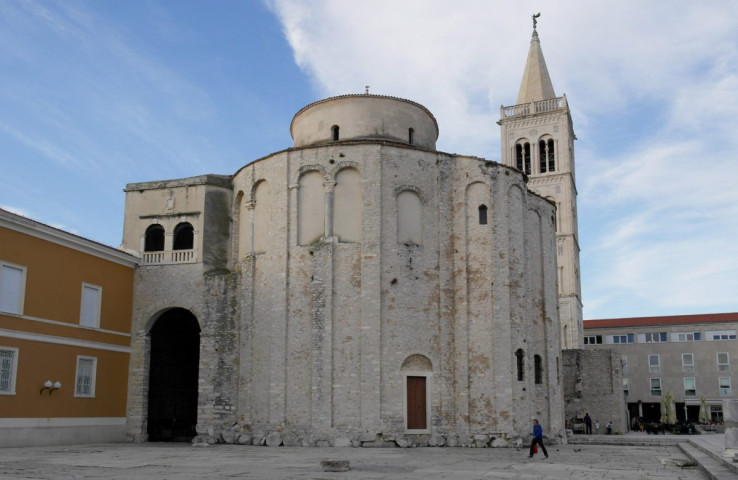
173, 377
418, 372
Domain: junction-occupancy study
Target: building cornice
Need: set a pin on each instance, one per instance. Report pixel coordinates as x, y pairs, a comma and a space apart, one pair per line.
223, 181
51, 234
707, 318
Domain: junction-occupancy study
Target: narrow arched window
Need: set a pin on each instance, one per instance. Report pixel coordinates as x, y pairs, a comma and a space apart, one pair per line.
184, 236
522, 157
410, 136
543, 156
483, 214
521, 364
334, 132
551, 156
538, 369
154, 240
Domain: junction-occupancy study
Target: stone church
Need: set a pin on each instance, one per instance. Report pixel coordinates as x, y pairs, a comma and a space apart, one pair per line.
360, 287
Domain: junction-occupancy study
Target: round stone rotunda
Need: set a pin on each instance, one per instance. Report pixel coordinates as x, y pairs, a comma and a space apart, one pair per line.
359, 288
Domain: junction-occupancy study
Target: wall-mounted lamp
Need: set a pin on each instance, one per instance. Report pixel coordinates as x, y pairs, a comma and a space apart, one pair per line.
50, 387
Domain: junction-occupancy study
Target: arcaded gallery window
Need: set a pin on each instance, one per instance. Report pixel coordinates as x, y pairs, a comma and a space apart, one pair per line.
154, 241
184, 236
522, 157
546, 155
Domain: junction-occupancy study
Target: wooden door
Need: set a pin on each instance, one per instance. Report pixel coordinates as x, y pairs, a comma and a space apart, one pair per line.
416, 403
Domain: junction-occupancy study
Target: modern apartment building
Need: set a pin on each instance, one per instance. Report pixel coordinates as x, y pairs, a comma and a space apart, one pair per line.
65, 319
691, 356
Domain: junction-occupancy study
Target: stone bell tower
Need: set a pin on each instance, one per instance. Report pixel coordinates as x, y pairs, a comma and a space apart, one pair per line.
538, 138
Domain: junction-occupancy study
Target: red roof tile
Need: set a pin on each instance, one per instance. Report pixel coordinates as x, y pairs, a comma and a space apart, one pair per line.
668, 320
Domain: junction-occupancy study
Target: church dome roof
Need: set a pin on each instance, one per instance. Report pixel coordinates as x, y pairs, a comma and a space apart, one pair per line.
364, 117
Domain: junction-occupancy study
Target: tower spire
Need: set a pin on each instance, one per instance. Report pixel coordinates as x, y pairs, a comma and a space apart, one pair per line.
537, 138
536, 84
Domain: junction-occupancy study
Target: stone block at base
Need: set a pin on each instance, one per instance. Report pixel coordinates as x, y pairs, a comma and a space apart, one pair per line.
334, 465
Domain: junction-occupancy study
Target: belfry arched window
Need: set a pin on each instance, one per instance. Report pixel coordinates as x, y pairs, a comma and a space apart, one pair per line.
546, 155
154, 239
522, 157
334, 133
184, 236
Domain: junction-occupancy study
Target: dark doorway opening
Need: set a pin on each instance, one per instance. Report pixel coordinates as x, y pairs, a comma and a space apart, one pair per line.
173, 377
651, 412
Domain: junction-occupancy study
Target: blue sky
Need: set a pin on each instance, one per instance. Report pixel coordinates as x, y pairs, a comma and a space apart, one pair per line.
97, 94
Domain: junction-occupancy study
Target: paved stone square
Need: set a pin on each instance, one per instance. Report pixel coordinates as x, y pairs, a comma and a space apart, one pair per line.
181, 461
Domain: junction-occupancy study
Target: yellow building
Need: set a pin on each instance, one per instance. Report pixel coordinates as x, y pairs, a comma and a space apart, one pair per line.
65, 324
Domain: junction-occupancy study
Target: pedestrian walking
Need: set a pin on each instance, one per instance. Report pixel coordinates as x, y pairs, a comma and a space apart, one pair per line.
537, 439
588, 424
597, 427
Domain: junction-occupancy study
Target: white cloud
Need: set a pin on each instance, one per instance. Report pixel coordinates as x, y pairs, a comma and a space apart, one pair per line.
653, 93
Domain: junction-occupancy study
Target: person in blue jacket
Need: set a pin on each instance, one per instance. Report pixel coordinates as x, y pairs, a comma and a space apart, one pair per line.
537, 438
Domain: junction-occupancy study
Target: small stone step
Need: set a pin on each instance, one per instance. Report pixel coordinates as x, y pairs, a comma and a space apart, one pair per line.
335, 465
714, 469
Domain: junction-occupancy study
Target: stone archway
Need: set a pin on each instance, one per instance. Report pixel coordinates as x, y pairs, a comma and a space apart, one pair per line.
173, 377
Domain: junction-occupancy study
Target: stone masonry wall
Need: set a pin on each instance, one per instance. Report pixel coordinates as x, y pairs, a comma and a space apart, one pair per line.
305, 344
594, 385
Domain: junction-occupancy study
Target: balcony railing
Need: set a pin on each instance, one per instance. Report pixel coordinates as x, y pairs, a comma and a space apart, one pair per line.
169, 257
541, 106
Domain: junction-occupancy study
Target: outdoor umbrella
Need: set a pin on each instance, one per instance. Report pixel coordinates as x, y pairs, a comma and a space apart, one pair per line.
664, 410
704, 416
671, 409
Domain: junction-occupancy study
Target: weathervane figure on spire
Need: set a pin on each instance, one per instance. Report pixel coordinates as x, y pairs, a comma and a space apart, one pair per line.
535, 21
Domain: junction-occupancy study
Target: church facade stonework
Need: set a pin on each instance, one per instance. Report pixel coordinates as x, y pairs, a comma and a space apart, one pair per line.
359, 288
